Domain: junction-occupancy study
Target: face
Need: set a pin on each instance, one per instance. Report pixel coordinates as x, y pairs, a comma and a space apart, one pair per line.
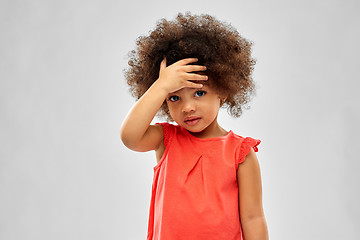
195, 109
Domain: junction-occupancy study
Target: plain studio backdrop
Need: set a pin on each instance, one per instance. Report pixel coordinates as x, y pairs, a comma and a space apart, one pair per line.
64, 172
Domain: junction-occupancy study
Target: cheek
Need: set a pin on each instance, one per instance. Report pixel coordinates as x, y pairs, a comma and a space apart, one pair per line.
214, 109
172, 109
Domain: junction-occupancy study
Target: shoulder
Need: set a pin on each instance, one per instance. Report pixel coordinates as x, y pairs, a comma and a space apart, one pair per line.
250, 163
245, 148
247, 161
236, 137
246, 142
169, 130
251, 155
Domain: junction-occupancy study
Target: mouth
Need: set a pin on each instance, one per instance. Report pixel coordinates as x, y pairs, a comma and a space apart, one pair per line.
192, 120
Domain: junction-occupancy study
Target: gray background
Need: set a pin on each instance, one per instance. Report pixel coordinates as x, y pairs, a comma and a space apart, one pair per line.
64, 173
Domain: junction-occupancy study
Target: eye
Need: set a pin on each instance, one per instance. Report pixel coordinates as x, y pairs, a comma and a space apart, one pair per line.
174, 98
200, 93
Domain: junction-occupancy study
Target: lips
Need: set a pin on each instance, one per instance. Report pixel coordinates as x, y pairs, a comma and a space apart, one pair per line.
192, 120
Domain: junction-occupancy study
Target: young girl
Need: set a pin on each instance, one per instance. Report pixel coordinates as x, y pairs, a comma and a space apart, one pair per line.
207, 181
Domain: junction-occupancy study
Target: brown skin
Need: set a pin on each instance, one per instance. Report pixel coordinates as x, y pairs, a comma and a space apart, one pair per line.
138, 135
136, 131
216, 44
229, 65
252, 216
202, 103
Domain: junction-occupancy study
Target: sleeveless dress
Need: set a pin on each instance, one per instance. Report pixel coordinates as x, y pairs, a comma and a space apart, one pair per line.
194, 191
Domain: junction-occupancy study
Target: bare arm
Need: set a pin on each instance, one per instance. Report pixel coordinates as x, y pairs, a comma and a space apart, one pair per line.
252, 216
136, 131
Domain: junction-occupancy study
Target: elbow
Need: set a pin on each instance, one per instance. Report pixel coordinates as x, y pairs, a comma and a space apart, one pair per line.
124, 136
255, 228
252, 218
128, 140
252, 215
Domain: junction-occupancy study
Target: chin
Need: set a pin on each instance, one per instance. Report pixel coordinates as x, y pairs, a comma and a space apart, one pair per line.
194, 129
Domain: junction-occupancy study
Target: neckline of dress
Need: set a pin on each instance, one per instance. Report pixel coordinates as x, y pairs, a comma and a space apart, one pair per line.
207, 139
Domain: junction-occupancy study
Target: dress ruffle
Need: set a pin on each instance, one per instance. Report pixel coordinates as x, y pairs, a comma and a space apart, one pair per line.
246, 146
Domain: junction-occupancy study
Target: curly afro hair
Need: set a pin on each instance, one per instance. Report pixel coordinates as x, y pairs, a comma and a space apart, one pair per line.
216, 44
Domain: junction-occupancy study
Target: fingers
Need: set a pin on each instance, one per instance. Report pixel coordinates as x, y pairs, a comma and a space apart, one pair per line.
196, 77
189, 68
181, 74
194, 68
163, 64
193, 85
187, 60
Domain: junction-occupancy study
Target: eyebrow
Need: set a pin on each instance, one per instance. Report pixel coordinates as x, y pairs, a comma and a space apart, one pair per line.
199, 89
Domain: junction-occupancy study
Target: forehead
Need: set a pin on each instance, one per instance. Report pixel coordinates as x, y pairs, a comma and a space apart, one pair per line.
187, 89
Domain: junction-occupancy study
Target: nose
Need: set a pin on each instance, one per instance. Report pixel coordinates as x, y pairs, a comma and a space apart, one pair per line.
188, 106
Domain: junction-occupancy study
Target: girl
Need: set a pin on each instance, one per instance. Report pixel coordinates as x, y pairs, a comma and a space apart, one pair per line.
207, 181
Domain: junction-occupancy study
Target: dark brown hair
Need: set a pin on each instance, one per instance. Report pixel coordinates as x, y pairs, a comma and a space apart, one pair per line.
216, 44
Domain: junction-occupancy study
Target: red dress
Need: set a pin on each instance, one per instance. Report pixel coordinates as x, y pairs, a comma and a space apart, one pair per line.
194, 191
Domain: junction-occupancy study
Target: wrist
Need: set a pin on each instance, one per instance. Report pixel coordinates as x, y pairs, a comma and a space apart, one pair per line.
159, 88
